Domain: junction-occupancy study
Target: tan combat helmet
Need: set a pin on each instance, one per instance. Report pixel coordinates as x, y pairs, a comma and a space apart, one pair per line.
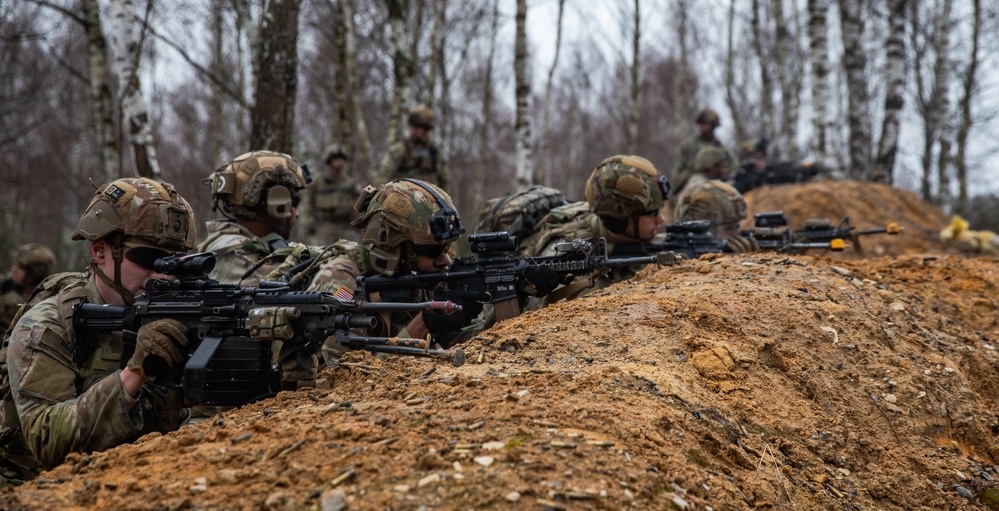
712, 200
402, 216
334, 151
37, 259
708, 157
422, 117
257, 185
137, 207
708, 116
749, 148
625, 186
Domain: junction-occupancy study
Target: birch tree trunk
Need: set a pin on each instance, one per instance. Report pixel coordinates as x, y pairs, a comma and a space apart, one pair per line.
787, 57
486, 121
894, 99
215, 102
400, 66
818, 43
100, 92
766, 81
523, 91
941, 107
854, 63
134, 113
272, 120
969, 84
244, 23
730, 88
923, 105
350, 57
686, 99
438, 63
541, 174
633, 117
413, 37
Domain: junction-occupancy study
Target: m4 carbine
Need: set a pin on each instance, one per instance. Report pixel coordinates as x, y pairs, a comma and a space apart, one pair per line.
231, 329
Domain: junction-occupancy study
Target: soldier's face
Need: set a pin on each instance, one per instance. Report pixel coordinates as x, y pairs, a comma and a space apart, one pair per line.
136, 269
417, 133
719, 171
337, 165
647, 226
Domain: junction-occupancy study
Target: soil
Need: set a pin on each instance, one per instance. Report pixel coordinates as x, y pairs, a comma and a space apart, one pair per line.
757, 381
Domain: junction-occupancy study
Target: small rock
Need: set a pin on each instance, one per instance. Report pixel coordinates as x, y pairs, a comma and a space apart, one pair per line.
523, 393
485, 461
949, 369
198, 488
333, 500
457, 466
679, 503
430, 479
897, 306
891, 398
401, 488
840, 270
960, 475
492, 446
226, 476
843, 471
512, 496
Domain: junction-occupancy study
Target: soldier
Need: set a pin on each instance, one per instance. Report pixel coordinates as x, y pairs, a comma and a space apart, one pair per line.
753, 154
64, 392
684, 166
724, 206
331, 200
257, 196
711, 163
625, 196
32, 264
407, 226
416, 156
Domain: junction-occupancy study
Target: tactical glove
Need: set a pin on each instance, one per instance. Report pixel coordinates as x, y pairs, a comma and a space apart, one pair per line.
742, 245
471, 307
156, 347
543, 279
298, 368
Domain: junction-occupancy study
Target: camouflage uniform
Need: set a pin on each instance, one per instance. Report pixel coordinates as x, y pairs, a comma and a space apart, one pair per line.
723, 205
417, 159
33, 263
331, 199
62, 392
237, 250
684, 166
10, 300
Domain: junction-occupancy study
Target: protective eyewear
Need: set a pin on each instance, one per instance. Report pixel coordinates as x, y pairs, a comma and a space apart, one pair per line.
145, 256
431, 251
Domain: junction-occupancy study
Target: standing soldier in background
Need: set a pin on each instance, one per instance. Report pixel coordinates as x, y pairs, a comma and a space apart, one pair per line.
32, 264
257, 195
331, 200
64, 391
684, 165
416, 156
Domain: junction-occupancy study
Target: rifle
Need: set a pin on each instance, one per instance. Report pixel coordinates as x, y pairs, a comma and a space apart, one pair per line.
689, 239
232, 329
772, 234
749, 178
494, 271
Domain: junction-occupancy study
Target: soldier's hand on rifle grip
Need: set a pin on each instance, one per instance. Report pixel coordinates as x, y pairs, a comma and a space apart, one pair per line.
543, 279
742, 244
471, 307
157, 347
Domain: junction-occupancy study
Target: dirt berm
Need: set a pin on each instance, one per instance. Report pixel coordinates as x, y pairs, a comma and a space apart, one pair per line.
731, 382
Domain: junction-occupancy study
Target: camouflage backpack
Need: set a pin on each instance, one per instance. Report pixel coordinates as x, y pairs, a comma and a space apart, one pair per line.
519, 213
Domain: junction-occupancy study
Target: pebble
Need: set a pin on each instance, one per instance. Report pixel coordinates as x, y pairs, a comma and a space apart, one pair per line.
457, 466
226, 476
401, 488
333, 500
679, 503
891, 398
485, 461
492, 446
512, 496
430, 479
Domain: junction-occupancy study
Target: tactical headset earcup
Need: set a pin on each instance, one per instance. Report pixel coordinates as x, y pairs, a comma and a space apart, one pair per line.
279, 202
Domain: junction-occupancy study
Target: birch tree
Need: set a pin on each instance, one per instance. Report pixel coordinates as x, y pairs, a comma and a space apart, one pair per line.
438, 64
761, 48
272, 118
100, 90
541, 169
523, 92
818, 43
969, 84
346, 14
634, 96
730, 86
486, 116
894, 94
941, 107
854, 64
134, 113
400, 67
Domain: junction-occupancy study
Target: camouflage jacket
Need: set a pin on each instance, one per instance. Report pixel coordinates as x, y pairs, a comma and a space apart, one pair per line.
332, 198
10, 301
237, 250
62, 393
683, 167
415, 160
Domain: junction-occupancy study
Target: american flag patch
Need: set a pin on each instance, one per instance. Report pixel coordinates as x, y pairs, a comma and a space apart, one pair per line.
342, 293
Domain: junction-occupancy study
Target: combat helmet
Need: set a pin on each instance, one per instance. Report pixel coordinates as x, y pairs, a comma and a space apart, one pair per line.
708, 157
422, 117
748, 148
708, 116
712, 200
37, 259
401, 216
334, 151
624, 187
257, 185
137, 207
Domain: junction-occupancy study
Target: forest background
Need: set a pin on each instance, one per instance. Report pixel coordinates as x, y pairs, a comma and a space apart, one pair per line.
892, 91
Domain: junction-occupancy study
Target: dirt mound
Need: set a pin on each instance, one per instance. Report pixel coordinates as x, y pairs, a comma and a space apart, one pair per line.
729, 382
868, 206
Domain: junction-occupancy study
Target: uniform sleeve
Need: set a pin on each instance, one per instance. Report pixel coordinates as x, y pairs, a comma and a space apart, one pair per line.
55, 420
337, 275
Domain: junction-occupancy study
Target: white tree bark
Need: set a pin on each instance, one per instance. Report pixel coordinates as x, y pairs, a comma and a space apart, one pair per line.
941, 107
854, 63
400, 65
969, 85
818, 37
764, 57
634, 97
894, 93
730, 87
541, 170
134, 112
100, 91
525, 172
